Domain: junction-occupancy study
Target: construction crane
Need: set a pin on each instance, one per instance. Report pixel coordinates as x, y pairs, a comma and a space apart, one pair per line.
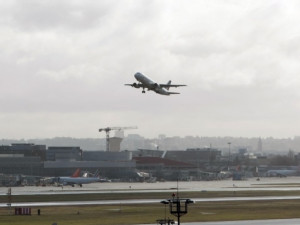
108, 129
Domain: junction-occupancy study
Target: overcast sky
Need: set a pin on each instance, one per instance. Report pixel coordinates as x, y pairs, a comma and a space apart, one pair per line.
64, 65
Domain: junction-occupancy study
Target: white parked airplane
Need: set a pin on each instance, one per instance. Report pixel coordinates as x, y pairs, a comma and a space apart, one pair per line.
76, 179
282, 173
146, 82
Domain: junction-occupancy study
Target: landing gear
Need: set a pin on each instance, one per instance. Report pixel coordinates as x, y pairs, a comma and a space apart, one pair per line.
143, 91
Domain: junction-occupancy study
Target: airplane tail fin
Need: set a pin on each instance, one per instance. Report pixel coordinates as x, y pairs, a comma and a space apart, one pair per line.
168, 84
87, 174
97, 174
76, 173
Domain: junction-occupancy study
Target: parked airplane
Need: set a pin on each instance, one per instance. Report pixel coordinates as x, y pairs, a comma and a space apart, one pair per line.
76, 179
282, 173
146, 82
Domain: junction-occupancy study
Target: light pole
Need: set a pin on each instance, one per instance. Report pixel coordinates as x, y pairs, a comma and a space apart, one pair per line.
229, 143
9, 199
178, 208
165, 202
165, 220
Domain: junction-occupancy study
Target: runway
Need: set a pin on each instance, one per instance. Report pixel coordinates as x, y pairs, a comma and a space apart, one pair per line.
283, 184
246, 222
145, 201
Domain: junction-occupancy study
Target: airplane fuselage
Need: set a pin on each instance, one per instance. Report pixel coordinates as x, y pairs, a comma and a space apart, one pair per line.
145, 82
77, 180
150, 84
282, 172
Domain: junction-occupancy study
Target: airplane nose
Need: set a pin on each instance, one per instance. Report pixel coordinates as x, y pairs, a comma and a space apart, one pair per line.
137, 74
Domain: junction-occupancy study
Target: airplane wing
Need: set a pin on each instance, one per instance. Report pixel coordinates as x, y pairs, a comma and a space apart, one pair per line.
173, 93
171, 85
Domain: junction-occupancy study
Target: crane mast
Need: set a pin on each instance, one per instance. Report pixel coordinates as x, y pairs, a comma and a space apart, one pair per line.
108, 129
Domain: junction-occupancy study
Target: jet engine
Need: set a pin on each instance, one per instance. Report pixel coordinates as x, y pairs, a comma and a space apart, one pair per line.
155, 86
135, 85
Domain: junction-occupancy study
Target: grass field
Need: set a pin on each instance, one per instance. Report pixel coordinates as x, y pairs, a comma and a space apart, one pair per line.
149, 213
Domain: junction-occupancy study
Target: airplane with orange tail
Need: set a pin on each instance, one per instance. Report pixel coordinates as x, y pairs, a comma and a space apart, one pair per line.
77, 179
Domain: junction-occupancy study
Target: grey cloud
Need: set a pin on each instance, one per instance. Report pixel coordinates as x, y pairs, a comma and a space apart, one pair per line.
291, 47
61, 58
74, 15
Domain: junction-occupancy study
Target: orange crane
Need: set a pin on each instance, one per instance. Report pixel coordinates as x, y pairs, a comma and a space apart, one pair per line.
108, 129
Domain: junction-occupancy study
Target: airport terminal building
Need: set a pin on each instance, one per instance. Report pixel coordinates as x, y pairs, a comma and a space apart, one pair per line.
37, 160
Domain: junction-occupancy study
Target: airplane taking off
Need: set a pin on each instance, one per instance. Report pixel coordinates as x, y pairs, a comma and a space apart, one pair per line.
146, 82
